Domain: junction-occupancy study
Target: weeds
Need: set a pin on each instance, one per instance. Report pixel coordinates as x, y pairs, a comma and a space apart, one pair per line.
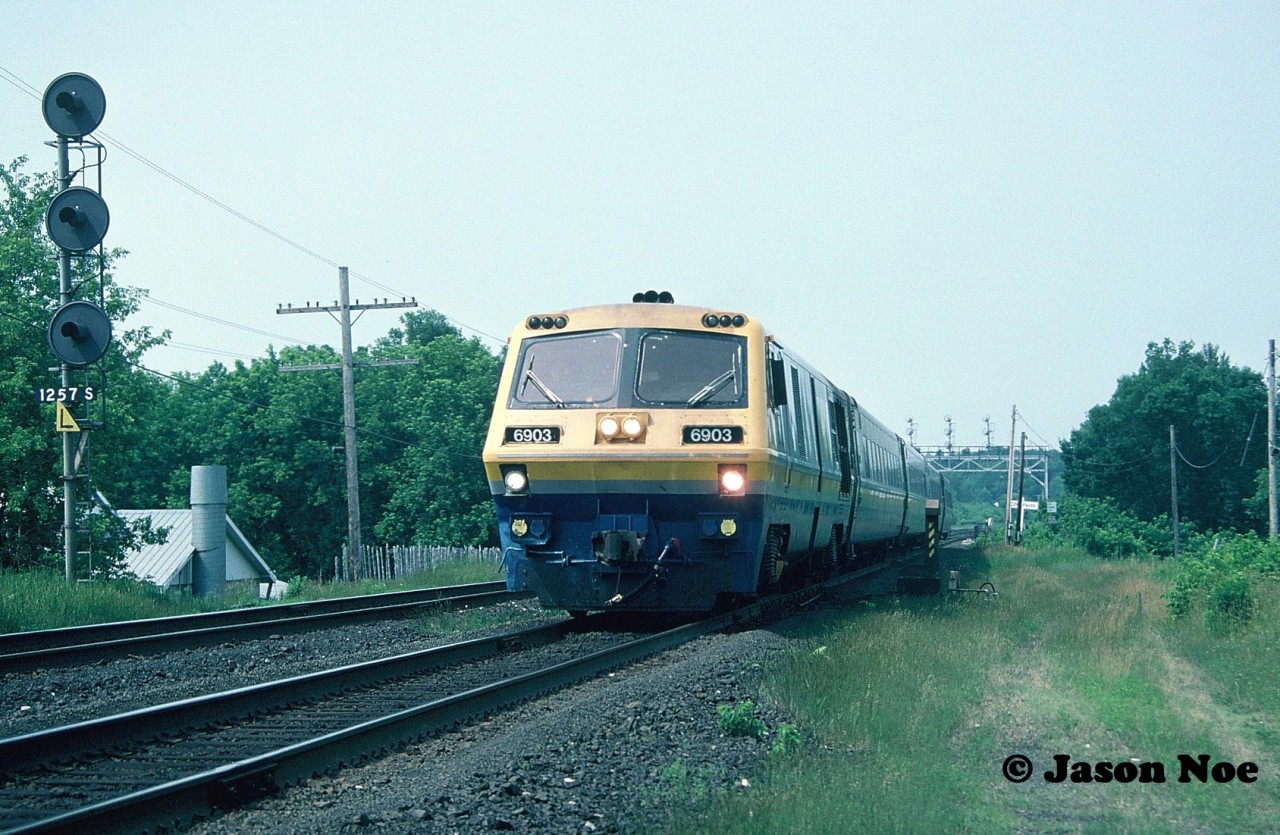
32, 600
907, 710
741, 720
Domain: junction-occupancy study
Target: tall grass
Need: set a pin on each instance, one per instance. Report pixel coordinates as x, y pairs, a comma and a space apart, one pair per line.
44, 600
32, 600
908, 710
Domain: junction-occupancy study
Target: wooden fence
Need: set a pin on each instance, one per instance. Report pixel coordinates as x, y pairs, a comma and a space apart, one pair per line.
387, 562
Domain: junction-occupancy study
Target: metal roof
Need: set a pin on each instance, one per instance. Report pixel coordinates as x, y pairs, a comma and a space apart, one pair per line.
170, 563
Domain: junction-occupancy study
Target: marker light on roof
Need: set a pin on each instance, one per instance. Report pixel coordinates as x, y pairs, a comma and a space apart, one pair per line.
534, 323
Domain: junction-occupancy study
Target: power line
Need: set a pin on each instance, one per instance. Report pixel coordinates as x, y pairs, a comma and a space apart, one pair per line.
277, 410
1033, 431
203, 349
28, 89
183, 381
20, 84
208, 318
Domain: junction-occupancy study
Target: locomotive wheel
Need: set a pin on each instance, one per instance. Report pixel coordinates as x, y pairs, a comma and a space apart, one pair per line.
769, 560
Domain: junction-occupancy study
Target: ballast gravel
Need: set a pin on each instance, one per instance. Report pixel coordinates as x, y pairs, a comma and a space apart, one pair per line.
619, 753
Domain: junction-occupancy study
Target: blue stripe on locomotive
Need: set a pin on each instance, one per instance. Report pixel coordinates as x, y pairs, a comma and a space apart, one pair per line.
555, 555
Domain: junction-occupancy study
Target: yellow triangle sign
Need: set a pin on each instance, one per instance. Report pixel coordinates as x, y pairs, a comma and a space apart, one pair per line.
66, 423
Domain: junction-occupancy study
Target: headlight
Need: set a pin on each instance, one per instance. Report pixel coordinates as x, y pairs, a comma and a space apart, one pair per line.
516, 479
622, 427
733, 480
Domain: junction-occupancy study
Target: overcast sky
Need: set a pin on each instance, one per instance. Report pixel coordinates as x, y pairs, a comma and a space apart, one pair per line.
949, 209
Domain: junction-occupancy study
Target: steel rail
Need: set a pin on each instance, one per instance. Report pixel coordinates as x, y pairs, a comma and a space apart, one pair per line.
14, 642
232, 784
68, 741
206, 635
235, 783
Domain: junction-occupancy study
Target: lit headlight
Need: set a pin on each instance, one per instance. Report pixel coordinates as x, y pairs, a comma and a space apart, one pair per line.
516, 480
733, 479
620, 427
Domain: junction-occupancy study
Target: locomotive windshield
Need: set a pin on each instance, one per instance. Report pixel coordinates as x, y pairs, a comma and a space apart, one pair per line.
631, 367
575, 370
678, 368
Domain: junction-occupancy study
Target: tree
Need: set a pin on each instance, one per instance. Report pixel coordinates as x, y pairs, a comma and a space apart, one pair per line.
275, 433
278, 434
30, 504
1121, 451
429, 485
30, 469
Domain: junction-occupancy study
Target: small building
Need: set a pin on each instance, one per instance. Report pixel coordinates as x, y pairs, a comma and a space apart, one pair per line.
169, 565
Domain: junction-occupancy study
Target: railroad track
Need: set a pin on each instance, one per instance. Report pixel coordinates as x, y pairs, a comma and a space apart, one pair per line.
162, 766
23, 651
154, 767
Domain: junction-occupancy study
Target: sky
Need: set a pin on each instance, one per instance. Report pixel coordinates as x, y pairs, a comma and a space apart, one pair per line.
950, 209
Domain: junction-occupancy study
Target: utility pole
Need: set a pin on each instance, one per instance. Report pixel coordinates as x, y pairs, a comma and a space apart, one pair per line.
1022, 478
1173, 477
1272, 514
343, 308
1008, 492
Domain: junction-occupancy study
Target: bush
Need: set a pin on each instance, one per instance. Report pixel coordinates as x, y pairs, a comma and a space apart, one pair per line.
741, 720
1218, 573
1102, 529
1230, 605
787, 743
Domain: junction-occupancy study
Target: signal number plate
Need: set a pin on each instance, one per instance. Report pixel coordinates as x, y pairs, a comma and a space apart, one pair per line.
713, 434
531, 435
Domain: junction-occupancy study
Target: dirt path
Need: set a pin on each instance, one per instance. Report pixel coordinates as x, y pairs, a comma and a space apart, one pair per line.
1029, 710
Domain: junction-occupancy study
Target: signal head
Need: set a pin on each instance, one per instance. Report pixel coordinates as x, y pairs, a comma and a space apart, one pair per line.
74, 105
77, 219
79, 333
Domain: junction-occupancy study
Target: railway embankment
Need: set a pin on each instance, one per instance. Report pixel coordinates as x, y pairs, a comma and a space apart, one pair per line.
1072, 701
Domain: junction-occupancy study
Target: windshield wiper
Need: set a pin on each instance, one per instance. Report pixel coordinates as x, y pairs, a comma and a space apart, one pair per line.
707, 391
542, 387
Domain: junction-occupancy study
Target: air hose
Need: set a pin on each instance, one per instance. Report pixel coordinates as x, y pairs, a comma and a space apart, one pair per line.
673, 544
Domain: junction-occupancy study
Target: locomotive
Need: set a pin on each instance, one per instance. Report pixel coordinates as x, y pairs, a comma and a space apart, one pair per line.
655, 457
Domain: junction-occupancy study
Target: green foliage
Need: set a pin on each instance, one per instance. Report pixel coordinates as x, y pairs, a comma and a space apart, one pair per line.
1231, 603
30, 492
43, 600
1102, 529
1072, 658
1121, 451
279, 434
786, 743
741, 720
1217, 576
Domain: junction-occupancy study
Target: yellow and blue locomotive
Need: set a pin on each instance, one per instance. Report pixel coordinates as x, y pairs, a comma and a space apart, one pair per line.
666, 458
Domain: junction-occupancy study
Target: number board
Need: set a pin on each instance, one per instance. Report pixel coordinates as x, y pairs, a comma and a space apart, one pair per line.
531, 435
713, 434
67, 394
